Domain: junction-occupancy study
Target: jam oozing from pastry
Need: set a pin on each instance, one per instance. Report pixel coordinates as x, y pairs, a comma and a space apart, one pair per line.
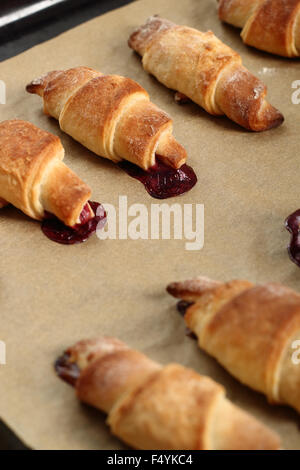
85, 215
190, 333
182, 307
67, 370
58, 232
180, 98
292, 224
162, 181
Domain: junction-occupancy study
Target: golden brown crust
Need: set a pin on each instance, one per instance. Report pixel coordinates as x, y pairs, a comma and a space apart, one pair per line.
65, 194
155, 407
24, 149
169, 150
250, 330
63, 86
202, 58
3, 203
242, 97
236, 12
257, 337
236, 431
289, 383
108, 378
38, 85
201, 67
32, 175
110, 115
268, 25
86, 351
192, 289
157, 416
149, 124
271, 27
142, 37
211, 301
92, 113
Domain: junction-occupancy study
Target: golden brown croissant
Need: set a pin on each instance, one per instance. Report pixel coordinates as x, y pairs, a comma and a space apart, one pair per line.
110, 115
250, 330
269, 25
33, 176
201, 67
150, 406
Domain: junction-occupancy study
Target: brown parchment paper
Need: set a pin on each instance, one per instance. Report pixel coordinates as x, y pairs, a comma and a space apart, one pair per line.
53, 295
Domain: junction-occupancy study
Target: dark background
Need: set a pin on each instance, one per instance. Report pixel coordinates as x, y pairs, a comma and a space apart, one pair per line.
20, 35
23, 34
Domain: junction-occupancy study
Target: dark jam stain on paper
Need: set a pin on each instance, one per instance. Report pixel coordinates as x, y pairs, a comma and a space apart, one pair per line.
162, 181
292, 224
58, 232
67, 370
182, 307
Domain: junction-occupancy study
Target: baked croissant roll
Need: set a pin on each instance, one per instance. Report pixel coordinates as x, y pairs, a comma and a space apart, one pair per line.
110, 115
249, 329
150, 406
201, 67
3, 203
34, 178
270, 25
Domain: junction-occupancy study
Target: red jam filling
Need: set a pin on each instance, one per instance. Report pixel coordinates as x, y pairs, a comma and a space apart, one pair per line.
58, 232
85, 215
182, 307
67, 370
162, 181
292, 224
180, 98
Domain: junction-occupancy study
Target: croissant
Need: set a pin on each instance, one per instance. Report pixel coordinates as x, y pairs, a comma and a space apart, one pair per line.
269, 25
154, 407
110, 115
249, 329
34, 178
201, 67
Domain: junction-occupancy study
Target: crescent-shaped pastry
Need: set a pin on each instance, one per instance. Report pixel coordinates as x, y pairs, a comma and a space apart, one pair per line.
204, 69
110, 115
250, 330
270, 25
34, 178
150, 406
